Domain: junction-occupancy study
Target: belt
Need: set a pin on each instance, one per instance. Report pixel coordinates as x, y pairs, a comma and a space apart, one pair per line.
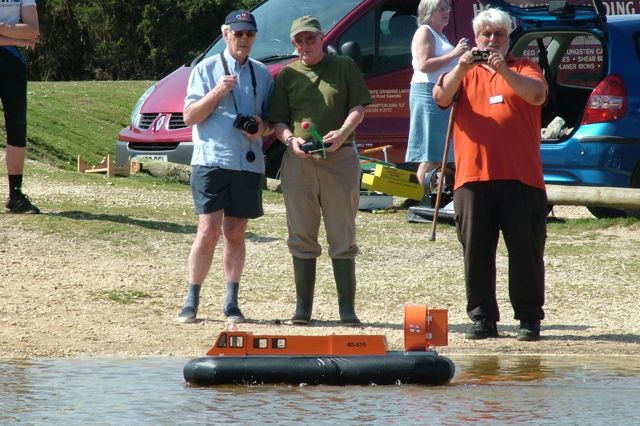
351, 144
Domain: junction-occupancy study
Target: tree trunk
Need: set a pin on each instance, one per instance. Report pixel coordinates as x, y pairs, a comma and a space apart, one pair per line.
172, 171
594, 196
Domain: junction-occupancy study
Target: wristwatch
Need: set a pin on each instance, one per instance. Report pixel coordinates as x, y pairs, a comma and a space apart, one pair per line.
288, 140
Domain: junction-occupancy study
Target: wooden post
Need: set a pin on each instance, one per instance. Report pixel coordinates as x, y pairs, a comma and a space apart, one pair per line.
175, 171
594, 196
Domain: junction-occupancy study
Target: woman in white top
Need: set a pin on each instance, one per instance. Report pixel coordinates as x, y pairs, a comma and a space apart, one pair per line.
433, 55
19, 29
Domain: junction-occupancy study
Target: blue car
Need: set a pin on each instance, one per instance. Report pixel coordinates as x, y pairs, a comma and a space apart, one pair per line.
590, 55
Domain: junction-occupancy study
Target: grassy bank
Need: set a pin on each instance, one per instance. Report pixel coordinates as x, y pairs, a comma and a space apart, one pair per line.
67, 119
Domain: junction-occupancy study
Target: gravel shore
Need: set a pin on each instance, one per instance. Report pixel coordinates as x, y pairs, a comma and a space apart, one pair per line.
77, 281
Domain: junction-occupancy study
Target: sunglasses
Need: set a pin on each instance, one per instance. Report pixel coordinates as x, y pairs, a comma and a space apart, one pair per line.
239, 34
309, 39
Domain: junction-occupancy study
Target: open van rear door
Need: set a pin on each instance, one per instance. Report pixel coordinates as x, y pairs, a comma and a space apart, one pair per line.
575, 13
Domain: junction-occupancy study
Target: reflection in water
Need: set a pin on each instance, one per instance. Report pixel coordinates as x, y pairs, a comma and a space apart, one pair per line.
550, 390
486, 389
489, 369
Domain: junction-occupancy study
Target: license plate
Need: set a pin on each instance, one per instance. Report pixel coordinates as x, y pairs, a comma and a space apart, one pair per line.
152, 157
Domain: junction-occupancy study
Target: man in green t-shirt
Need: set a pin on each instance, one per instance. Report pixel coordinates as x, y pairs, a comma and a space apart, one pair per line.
320, 95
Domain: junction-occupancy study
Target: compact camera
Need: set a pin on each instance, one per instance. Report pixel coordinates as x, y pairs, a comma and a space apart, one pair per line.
480, 55
313, 145
246, 123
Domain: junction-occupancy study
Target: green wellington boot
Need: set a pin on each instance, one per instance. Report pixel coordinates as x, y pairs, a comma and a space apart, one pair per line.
304, 273
344, 272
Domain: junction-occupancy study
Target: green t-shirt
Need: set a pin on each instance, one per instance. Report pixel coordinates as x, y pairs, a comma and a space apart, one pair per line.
321, 94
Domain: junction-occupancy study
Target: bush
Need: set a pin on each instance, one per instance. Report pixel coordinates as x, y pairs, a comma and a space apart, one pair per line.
123, 40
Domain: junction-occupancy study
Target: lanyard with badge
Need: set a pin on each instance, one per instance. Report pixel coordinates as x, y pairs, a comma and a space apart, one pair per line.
244, 122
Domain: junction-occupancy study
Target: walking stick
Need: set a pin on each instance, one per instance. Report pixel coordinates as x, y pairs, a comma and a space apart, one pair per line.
445, 156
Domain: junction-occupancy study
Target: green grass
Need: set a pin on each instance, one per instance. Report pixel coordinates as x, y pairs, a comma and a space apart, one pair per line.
67, 119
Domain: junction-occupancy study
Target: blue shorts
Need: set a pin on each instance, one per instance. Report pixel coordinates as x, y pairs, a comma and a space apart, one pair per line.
239, 193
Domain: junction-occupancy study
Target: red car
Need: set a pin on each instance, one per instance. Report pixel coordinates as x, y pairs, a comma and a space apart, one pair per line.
379, 31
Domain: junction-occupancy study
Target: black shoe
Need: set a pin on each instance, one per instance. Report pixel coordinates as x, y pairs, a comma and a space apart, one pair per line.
482, 328
187, 314
233, 315
20, 203
529, 331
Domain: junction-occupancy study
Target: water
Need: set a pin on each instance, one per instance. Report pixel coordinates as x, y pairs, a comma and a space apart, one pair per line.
485, 390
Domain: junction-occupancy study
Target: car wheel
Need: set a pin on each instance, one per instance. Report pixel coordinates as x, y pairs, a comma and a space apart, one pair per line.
635, 183
607, 213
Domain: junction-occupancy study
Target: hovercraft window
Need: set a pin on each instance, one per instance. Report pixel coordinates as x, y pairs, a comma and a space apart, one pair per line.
279, 344
222, 342
261, 343
236, 341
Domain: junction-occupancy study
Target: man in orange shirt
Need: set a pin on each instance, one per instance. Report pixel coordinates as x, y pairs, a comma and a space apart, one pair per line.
499, 183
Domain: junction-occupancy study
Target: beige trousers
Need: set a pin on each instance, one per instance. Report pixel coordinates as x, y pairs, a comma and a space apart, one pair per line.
317, 188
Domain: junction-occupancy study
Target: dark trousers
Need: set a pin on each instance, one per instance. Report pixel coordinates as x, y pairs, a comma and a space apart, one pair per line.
483, 209
13, 95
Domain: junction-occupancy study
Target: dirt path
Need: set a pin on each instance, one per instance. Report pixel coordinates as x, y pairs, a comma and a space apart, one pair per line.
54, 297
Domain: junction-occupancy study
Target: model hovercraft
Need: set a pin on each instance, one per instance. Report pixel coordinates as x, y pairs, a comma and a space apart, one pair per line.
239, 357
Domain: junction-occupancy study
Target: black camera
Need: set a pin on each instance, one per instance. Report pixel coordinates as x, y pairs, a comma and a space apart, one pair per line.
246, 123
480, 55
313, 145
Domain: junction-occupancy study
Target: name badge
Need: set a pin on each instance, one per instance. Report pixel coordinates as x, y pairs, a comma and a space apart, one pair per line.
498, 99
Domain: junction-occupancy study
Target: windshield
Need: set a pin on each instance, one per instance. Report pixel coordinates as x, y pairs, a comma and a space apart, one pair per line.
274, 21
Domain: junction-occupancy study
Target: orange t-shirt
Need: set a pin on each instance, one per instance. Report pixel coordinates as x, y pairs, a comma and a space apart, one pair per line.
497, 133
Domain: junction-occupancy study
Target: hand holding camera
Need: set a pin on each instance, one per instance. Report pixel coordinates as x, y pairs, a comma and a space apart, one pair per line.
461, 47
480, 55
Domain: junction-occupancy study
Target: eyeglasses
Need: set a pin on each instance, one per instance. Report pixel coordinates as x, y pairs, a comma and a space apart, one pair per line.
239, 34
309, 39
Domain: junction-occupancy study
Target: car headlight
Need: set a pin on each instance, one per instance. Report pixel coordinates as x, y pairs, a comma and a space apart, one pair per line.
135, 114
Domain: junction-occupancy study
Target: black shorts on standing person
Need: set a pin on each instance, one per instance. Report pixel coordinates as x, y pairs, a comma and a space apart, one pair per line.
237, 192
19, 29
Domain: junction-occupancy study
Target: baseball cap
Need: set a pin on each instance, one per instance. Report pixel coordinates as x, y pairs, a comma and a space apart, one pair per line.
241, 20
305, 23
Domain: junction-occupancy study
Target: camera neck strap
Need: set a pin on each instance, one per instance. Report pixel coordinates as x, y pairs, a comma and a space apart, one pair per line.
225, 65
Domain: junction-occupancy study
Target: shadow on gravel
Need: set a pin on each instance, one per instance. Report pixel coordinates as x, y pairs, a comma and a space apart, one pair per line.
158, 225
618, 338
143, 223
558, 332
